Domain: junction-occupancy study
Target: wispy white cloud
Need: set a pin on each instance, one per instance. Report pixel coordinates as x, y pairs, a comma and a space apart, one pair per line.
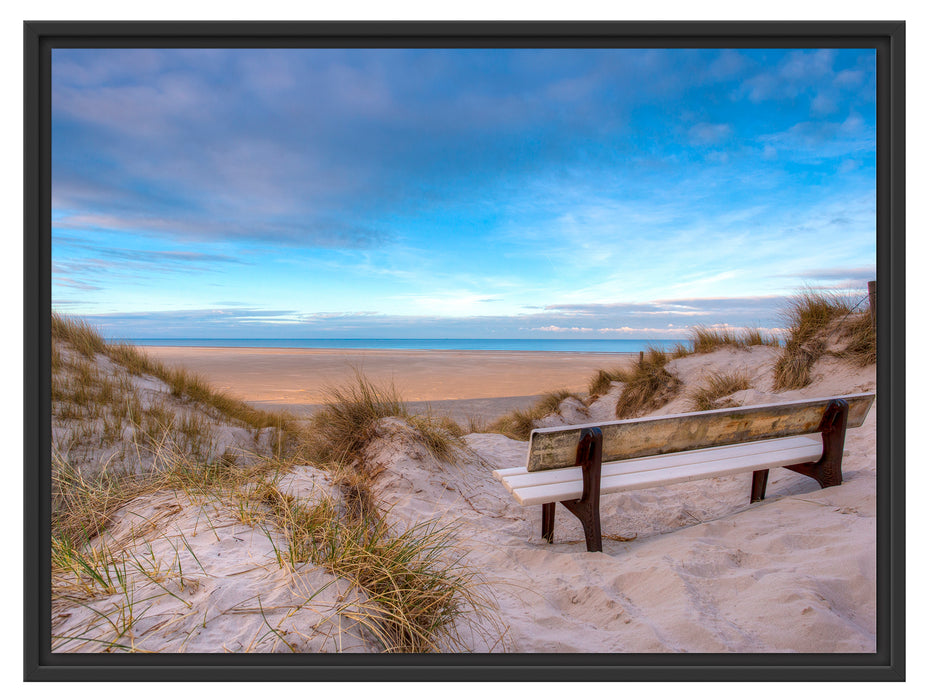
823, 104
559, 329
795, 73
704, 133
849, 78
836, 273
600, 320
820, 140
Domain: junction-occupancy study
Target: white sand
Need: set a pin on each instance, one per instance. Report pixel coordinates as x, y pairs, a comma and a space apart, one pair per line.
706, 572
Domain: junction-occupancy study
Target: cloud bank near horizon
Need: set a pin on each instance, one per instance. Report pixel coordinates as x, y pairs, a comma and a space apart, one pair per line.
666, 319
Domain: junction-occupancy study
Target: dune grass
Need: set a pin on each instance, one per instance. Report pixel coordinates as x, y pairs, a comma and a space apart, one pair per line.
340, 431
441, 435
600, 383
416, 586
750, 337
99, 408
810, 313
82, 505
648, 385
860, 336
129, 581
111, 443
808, 318
680, 350
518, 424
81, 393
793, 368
79, 336
704, 339
716, 387
476, 424
416, 589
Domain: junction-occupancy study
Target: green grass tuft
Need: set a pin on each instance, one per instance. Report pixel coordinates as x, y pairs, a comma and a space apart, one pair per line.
416, 586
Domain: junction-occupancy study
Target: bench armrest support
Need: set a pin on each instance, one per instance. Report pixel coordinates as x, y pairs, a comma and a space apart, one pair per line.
827, 471
587, 508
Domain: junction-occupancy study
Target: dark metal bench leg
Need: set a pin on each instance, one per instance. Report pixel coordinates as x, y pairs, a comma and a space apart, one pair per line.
591, 522
827, 470
549, 520
588, 508
758, 489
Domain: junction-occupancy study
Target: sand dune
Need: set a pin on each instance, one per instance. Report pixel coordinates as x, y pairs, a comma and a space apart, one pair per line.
706, 570
689, 568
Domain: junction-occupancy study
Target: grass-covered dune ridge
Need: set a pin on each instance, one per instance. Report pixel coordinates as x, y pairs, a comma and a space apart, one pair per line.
153, 469
818, 325
115, 408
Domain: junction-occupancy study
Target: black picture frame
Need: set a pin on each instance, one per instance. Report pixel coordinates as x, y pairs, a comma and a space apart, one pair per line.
887, 664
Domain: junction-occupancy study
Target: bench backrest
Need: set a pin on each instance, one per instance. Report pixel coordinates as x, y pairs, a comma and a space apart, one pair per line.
555, 448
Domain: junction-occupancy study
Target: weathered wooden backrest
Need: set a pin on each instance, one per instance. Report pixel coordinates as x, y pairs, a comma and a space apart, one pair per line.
555, 448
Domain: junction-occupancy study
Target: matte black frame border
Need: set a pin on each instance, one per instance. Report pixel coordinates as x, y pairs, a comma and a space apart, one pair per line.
887, 664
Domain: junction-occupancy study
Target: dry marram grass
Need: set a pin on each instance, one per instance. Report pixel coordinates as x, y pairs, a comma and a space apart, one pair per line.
647, 385
519, 424
350, 417
716, 387
601, 381
705, 339
810, 319
860, 336
417, 589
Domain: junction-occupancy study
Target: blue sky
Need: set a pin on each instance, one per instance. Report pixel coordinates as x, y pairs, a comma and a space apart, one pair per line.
451, 193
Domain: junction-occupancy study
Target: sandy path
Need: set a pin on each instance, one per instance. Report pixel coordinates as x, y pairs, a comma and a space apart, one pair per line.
279, 377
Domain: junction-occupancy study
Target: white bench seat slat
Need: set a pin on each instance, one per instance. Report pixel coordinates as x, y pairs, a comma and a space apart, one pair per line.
501, 474
649, 472
519, 477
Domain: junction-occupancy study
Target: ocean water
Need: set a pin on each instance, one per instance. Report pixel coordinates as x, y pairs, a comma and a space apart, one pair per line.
500, 345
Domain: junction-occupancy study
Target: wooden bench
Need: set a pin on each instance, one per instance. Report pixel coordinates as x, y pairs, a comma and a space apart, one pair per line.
564, 464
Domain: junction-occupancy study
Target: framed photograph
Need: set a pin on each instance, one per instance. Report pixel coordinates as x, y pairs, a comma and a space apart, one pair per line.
464, 351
